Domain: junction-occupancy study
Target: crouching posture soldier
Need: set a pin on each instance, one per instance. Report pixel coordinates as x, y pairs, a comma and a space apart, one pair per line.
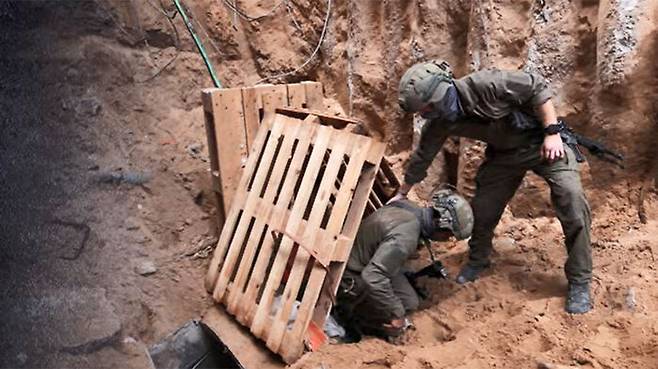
374, 294
512, 112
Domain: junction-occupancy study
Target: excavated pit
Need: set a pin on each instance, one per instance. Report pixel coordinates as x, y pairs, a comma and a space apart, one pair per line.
116, 86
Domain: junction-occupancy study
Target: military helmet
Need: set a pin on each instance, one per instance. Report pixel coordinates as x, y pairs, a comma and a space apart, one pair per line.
421, 84
453, 213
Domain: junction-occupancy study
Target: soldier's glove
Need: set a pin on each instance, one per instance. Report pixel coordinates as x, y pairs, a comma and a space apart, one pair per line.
392, 329
400, 337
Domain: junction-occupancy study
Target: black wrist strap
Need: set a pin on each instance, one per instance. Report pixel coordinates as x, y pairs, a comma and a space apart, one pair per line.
553, 129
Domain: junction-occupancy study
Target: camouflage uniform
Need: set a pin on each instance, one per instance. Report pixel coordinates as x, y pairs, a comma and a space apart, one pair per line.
383, 244
488, 99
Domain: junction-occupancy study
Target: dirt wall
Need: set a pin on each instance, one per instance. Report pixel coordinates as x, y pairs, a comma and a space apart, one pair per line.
596, 55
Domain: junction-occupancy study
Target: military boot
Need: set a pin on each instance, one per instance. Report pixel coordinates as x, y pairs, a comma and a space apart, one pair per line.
469, 273
579, 299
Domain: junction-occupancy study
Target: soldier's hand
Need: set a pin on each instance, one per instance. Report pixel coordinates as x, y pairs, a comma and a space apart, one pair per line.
398, 196
401, 194
552, 149
394, 328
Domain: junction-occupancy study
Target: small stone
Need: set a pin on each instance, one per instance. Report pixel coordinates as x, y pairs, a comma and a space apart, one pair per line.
631, 302
90, 106
503, 244
194, 149
129, 340
145, 268
131, 224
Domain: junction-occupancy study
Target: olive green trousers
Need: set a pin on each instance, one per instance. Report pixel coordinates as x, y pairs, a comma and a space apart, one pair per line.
497, 180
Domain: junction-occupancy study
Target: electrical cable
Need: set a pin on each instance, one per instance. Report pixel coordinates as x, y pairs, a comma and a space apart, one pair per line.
317, 48
205, 32
198, 44
170, 19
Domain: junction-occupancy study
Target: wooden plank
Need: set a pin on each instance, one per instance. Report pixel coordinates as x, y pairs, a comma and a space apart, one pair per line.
209, 118
264, 207
231, 140
296, 95
388, 172
251, 114
375, 199
232, 216
314, 95
273, 100
340, 143
246, 314
351, 180
248, 209
320, 146
335, 121
259, 90
353, 219
251, 353
280, 93
206, 96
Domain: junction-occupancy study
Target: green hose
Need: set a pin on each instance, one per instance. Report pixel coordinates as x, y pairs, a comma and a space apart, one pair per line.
198, 44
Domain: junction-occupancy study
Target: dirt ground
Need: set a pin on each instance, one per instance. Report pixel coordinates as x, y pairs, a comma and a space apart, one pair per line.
107, 217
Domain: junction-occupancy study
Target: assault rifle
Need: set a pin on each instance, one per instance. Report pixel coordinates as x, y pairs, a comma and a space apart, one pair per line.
434, 270
524, 121
595, 148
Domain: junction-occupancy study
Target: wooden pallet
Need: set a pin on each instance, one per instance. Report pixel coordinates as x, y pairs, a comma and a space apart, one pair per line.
232, 119
291, 225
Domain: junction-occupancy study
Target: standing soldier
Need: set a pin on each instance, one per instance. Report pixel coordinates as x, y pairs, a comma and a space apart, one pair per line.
375, 296
513, 113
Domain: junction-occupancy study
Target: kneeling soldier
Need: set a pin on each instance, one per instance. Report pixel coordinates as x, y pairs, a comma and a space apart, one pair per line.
375, 295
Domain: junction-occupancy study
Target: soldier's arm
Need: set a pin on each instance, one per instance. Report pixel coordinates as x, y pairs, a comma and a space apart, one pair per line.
432, 137
531, 89
523, 89
391, 255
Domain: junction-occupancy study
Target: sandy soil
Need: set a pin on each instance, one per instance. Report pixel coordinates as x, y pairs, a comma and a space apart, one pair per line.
102, 127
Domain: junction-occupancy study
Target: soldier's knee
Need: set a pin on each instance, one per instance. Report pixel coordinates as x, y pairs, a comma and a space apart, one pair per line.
411, 302
569, 199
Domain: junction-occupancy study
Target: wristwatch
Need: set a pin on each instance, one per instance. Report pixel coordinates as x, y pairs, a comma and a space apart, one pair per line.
554, 128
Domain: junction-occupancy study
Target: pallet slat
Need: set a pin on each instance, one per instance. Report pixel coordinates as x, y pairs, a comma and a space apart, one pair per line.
247, 315
249, 208
251, 114
340, 144
265, 208
296, 95
232, 217
314, 95
274, 278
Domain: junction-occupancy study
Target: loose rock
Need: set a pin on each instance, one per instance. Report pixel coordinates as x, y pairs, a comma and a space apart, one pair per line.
146, 267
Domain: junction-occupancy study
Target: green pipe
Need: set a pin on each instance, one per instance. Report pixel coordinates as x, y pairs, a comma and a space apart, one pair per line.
198, 44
